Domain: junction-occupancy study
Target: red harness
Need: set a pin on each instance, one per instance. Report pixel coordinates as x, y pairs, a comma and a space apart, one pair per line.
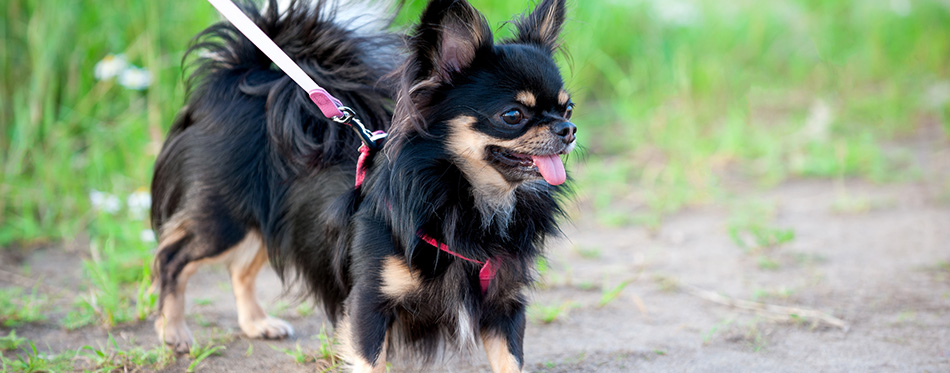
485, 275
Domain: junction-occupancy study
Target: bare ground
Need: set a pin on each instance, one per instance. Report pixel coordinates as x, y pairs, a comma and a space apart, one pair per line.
874, 256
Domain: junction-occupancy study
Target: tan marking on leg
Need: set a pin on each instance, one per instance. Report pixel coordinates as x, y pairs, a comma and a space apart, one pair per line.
245, 262
174, 230
527, 99
354, 360
398, 279
563, 97
501, 360
170, 324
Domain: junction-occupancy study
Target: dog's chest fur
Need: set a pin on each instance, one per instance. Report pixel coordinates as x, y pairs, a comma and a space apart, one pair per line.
441, 299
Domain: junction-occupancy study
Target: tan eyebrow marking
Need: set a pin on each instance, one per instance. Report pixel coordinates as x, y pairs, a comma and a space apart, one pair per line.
526, 98
563, 97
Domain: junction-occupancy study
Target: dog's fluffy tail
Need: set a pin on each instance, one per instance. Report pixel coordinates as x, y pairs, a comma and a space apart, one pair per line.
340, 44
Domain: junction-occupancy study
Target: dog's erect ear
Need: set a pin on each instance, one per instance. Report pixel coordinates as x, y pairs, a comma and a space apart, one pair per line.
450, 34
542, 26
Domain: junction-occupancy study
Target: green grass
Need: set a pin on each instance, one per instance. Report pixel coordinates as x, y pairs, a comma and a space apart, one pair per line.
547, 314
115, 359
11, 341
327, 352
111, 358
201, 352
588, 252
119, 281
610, 294
32, 360
752, 228
298, 354
325, 358
64, 133
305, 309
19, 306
716, 329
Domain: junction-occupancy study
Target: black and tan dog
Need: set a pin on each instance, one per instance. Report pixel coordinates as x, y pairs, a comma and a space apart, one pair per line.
438, 244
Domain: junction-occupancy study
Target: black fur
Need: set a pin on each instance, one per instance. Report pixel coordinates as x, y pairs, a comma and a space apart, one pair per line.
250, 152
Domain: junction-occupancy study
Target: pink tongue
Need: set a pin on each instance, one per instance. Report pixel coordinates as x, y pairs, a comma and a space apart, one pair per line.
551, 168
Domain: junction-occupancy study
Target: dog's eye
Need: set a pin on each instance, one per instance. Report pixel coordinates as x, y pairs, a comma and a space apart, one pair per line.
569, 112
513, 116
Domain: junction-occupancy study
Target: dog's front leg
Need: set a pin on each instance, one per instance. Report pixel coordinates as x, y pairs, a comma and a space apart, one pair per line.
364, 330
503, 338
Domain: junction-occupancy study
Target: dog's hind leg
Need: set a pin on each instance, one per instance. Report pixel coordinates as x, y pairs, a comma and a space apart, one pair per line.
188, 241
173, 267
245, 262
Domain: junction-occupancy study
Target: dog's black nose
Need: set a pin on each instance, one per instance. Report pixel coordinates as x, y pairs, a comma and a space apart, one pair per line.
566, 131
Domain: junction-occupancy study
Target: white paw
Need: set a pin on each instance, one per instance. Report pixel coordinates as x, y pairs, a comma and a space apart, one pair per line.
176, 335
267, 328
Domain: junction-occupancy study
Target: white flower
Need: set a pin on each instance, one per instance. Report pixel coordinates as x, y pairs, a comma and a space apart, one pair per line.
147, 235
901, 7
818, 123
111, 66
139, 203
135, 78
937, 95
104, 201
676, 12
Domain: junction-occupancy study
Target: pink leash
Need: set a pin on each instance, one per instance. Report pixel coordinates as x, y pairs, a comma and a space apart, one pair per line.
332, 108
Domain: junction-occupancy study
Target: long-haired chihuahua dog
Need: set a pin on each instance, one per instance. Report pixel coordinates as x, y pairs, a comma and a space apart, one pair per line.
438, 244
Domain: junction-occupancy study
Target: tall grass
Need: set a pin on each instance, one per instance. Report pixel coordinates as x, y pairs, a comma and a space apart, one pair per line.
671, 95
64, 133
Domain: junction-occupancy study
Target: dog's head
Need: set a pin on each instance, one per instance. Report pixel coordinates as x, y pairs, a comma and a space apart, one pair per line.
501, 107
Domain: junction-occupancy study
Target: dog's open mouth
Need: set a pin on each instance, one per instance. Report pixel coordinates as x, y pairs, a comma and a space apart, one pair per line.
548, 166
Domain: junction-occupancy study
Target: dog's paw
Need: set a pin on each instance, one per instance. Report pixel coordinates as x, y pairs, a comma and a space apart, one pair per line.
176, 336
267, 328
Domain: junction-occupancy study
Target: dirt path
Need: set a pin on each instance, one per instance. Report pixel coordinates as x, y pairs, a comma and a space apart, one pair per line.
879, 259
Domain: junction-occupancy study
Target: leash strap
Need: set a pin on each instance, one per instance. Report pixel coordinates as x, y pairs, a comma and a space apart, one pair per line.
330, 106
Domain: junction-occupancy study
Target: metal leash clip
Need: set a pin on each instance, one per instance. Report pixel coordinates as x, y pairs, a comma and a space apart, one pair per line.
370, 139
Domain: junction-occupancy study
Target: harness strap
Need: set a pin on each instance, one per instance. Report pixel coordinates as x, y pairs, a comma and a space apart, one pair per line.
485, 275
365, 151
